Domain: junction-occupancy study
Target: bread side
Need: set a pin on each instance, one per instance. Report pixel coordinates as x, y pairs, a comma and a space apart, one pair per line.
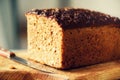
86, 46
58, 39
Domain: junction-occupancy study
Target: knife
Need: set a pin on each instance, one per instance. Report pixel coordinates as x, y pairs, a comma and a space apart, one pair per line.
12, 56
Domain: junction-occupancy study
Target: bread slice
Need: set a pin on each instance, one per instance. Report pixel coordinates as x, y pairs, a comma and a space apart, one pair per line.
68, 38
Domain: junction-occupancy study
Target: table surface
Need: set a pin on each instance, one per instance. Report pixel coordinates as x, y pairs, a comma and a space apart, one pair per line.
10, 70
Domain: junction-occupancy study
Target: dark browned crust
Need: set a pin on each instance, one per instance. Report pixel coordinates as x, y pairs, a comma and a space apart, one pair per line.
67, 17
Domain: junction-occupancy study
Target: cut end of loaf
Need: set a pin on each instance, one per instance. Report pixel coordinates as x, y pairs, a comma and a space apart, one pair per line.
44, 40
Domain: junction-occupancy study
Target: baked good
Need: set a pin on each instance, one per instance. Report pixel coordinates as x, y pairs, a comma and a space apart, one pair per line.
68, 38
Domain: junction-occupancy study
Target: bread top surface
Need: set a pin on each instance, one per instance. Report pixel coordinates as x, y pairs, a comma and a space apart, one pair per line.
76, 17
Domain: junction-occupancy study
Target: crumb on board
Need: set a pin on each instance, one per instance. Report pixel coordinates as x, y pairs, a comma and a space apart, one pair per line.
12, 67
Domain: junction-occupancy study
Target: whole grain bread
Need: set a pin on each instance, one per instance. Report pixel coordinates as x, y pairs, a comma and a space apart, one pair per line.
67, 38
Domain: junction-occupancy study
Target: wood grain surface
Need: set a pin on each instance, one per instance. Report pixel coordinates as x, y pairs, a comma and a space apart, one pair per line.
10, 70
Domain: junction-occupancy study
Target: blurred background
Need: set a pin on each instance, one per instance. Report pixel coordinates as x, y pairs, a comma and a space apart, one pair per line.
13, 26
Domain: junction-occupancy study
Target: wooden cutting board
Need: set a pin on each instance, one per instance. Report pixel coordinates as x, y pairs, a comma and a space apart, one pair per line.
10, 70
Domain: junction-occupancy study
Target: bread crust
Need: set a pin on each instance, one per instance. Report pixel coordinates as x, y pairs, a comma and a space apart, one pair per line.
76, 17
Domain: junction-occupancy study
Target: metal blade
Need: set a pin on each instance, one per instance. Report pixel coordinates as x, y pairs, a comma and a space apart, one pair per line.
31, 64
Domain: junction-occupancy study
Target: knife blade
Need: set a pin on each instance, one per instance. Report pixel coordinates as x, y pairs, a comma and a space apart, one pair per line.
12, 56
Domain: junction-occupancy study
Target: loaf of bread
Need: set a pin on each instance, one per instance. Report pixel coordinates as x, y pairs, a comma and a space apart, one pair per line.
68, 38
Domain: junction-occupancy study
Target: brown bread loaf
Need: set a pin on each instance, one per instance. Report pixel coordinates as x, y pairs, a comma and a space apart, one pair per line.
68, 38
